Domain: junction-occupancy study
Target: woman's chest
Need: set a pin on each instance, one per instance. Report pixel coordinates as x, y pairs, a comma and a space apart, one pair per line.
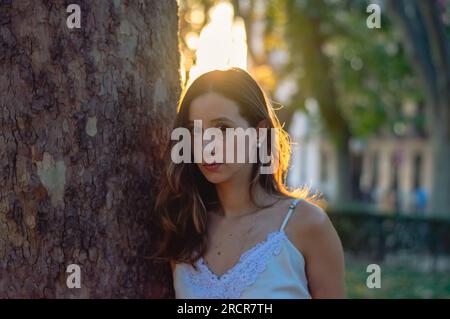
227, 242
268, 269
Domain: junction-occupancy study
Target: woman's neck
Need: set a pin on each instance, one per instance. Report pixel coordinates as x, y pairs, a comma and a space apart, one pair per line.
235, 198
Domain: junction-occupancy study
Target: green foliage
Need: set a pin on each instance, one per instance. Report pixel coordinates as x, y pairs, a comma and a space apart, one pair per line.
367, 67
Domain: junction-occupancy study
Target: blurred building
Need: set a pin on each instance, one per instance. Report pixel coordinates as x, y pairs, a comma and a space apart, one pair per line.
393, 173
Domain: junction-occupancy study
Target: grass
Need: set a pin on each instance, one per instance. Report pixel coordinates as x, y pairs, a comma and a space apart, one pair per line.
396, 282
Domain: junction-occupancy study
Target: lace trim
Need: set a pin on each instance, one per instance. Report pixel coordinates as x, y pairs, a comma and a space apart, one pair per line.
243, 274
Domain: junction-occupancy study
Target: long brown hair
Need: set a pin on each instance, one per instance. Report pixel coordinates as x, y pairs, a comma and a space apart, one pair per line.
186, 196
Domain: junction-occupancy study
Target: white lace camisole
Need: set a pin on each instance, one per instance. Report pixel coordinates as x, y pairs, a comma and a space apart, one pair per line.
272, 269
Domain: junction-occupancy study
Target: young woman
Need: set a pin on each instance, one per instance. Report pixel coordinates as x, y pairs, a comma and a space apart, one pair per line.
230, 231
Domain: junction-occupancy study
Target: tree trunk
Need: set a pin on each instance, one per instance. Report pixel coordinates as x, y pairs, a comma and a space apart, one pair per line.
426, 41
343, 181
84, 114
318, 83
440, 139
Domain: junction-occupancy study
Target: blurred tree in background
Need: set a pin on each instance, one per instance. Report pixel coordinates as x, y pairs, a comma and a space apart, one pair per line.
358, 76
425, 29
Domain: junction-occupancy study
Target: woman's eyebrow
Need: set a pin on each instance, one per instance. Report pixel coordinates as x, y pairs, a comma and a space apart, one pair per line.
223, 119
219, 119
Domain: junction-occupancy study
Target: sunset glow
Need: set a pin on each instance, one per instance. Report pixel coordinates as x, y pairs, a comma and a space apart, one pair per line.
222, 42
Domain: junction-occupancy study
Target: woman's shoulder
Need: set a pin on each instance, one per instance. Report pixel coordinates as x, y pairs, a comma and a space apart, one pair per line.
309, 225
309, 215
306, 213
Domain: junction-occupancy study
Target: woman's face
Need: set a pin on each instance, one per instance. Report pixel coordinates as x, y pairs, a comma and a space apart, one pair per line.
217, 111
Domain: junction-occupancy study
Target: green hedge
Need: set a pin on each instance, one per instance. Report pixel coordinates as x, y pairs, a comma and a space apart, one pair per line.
363, 231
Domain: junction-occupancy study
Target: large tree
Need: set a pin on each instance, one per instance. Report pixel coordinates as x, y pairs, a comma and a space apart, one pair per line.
84, 114
427, 40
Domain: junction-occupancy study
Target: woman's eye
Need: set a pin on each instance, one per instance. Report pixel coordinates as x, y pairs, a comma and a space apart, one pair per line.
222, 127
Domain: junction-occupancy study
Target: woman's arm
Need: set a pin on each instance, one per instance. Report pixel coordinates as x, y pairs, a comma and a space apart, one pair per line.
319, 243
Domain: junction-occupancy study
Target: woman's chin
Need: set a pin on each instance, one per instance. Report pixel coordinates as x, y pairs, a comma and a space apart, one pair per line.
214, 175
214, 178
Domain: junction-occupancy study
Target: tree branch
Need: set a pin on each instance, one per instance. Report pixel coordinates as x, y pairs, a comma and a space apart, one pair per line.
411, 22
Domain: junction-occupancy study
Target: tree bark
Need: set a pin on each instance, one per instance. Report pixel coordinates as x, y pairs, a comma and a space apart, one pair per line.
84, 114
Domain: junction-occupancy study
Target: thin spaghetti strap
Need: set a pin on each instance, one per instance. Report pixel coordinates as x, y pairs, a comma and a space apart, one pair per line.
289, 213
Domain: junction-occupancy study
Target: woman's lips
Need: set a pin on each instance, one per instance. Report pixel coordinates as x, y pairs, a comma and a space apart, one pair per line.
212, 167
